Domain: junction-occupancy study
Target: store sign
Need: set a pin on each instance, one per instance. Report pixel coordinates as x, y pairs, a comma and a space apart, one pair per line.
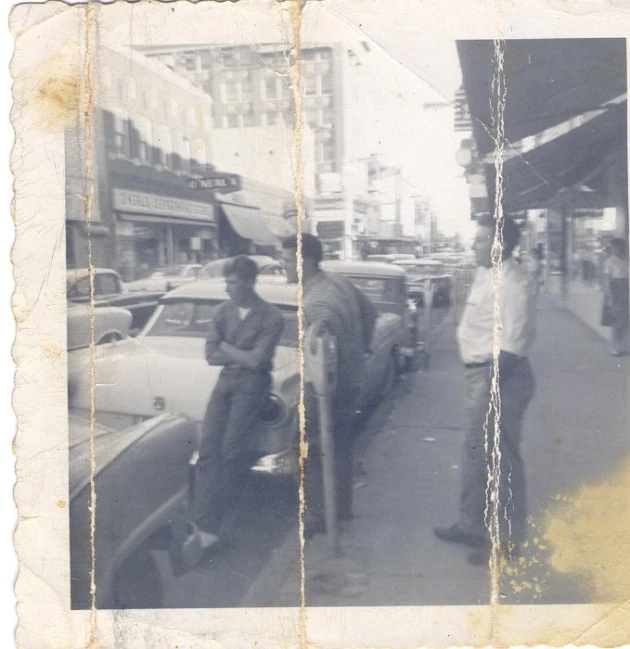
222, 183
143, 203
330, 229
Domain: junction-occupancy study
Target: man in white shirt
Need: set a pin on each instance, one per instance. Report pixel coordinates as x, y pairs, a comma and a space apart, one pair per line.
494, 337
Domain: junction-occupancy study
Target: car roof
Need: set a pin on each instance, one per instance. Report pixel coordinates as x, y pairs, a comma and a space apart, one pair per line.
77, 273
214, 289
419, 262
368, 268
261, 260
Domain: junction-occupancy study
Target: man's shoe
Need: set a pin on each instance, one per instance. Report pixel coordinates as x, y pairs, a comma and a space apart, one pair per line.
455, 534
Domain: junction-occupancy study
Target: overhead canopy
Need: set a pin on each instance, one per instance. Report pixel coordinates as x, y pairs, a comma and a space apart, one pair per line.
584, 156
547, 81
248, 223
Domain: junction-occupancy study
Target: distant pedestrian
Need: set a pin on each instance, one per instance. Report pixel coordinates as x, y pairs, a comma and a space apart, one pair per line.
350, 317
476, 339
616, 288
242, 338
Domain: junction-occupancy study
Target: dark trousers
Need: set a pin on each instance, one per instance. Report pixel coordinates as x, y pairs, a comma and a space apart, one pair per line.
231, 417
343, 411
482, 439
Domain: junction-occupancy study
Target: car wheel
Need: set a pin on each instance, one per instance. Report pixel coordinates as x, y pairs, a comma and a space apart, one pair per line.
111, 337
138, 582
391, 373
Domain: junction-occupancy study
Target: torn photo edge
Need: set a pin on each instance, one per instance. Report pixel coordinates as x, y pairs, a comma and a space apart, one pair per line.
52, 75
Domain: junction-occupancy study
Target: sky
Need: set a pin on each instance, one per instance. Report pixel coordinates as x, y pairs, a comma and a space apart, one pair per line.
396, 122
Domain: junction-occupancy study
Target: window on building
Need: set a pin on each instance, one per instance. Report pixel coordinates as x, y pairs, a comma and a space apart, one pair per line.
231, 121
230, 91
288, 117
271, 88
326, 84
247, 118
310, 116
324, 55
326, 117
272, 117
190, 62
121, 90
245, 90
310, 86
327, 151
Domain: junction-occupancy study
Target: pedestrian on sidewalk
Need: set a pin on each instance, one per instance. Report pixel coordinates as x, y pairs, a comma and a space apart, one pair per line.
242, 338
350, 317
476, 341
615, 313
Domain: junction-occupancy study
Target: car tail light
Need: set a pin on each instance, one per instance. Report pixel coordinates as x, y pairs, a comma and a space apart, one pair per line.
274, 411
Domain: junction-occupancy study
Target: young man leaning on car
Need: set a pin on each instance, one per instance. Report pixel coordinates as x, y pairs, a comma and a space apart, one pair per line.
242, 337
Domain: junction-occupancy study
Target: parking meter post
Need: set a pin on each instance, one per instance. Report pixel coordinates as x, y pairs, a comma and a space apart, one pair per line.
328, 474
428, 306
321, 365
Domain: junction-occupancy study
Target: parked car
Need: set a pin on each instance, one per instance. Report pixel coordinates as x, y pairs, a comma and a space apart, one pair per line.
141, 480
109, 290
164, 368
427, 272
166, 279
385, 284
266, 266
110, 323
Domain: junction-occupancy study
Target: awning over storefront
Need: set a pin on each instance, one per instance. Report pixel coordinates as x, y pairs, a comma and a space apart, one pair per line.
568, 97
248, 223
582, 156
547, 81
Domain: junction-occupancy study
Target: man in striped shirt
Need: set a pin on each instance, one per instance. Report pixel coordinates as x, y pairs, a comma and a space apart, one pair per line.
350, 317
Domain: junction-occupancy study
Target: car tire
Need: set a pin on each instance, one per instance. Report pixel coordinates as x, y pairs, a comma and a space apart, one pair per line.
138, 582
391, 374
111, 337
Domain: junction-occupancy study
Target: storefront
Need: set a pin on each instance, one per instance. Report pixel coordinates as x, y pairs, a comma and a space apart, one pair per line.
154, 231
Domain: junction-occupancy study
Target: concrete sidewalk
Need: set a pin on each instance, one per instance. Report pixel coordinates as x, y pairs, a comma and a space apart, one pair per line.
576, 432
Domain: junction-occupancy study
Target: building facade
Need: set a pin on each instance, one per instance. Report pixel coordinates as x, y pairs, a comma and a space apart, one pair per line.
252, 87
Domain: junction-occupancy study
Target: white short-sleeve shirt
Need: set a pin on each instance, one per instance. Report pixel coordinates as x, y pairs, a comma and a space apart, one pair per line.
517, 313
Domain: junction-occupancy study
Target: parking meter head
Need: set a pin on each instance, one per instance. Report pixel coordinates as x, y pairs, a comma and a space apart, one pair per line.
320, 358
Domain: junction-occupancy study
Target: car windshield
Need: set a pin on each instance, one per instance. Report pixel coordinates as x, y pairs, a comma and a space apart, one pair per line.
381, 290
191, 319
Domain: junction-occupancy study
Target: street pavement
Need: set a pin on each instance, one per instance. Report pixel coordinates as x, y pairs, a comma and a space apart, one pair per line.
575, 434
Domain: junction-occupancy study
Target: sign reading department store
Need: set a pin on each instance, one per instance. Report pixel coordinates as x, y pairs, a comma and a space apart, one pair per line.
143, 203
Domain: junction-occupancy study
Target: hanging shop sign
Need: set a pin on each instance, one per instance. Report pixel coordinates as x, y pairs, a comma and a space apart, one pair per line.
144, 203
219, 182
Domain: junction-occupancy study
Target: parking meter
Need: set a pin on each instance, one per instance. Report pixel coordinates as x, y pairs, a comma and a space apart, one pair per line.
320, 360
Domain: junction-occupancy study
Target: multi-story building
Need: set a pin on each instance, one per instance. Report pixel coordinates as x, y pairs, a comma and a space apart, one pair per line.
252, 86
150, 133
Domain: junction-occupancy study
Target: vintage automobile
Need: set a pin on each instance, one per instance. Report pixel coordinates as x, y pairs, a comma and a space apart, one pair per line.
141, 481
110, 323
166, 279
385, 285
164, 368
267, 266
109, 290
431, 274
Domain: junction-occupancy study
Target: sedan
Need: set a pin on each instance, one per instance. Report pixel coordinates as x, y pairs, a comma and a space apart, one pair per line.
427, 274
267, 266
164, 368
109, 323
140, 480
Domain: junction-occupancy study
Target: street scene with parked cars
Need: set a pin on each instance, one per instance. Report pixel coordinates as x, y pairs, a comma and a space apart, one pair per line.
227, 345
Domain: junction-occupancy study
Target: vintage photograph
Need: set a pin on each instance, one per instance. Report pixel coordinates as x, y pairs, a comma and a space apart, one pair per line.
346, 326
